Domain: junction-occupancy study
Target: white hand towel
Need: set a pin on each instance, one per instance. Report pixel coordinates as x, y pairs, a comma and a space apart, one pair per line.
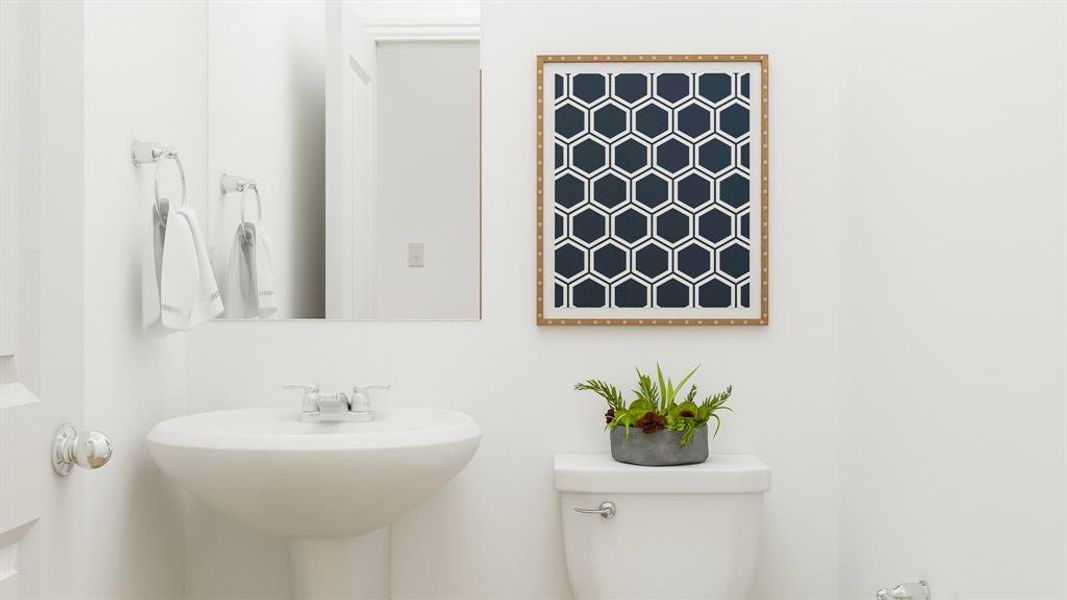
178, 290
208, 302
152, 267
240, 276
267, 300
250, 291
180, 275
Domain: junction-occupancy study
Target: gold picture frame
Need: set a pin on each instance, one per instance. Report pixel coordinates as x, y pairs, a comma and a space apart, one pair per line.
761, 316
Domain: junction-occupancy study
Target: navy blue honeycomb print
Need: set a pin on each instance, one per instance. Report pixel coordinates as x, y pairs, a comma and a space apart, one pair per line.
651, 190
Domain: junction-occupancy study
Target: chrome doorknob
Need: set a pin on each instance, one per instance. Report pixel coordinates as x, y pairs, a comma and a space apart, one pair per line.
87, 449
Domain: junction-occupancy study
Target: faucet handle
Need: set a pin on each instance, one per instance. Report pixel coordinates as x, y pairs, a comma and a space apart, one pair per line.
361, 396
364, 387
918, 590
310, 403
361, 400
311, 388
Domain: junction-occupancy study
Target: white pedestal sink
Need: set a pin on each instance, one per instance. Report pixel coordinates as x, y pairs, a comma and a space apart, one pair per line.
331, 488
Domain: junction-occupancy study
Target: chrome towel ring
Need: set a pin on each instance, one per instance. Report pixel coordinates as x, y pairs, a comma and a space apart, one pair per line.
150, 152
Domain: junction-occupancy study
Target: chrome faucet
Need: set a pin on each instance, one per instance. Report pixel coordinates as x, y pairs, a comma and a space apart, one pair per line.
321, 407
317, 407
905, 591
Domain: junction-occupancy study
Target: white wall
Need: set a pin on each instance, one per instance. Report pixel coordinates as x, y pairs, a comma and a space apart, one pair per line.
493, 533
860, 388
145, 76
428, 161
952, 439
266, 116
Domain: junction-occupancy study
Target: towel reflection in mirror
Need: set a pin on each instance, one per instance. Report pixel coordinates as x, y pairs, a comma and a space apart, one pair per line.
250, 291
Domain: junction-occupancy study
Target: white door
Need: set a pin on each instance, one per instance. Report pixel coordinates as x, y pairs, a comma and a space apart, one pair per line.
351, 72
23, 417
40, 385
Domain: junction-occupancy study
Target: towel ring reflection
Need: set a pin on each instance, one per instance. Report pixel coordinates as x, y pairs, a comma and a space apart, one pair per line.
235, 183
259, 204
150, 152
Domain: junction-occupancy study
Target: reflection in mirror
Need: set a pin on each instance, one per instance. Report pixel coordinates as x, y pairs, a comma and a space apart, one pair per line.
365, 157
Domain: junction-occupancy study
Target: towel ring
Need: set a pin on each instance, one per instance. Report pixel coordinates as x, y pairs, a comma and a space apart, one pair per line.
259, 203
173, 155
150, 152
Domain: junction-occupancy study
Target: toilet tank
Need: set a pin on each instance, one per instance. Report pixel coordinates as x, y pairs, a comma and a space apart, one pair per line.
687, 532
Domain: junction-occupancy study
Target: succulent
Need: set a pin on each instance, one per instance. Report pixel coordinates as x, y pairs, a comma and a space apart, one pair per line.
652, 422
656, 405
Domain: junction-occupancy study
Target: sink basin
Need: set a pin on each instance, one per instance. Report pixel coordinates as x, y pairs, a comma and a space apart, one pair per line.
269, 470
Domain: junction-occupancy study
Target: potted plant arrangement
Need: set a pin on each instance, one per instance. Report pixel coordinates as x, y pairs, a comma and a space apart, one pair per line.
666, 431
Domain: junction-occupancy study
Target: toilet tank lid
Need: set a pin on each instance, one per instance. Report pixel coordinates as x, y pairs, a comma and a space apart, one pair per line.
721, 474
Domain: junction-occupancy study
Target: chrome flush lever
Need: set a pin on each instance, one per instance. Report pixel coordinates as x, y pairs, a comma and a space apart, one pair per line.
605, 510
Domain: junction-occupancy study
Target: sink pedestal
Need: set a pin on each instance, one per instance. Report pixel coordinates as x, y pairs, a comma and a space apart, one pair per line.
352, 568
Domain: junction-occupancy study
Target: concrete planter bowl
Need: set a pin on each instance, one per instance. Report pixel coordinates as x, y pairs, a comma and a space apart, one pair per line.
660, 449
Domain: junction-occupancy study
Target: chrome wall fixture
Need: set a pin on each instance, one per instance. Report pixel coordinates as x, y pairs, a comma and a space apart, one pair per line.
355, 407
142, 153
606, 510
235, 183
86, 449
918, 590
230, 184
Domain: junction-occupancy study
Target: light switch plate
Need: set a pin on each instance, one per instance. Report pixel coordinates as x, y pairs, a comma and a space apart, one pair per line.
416, 254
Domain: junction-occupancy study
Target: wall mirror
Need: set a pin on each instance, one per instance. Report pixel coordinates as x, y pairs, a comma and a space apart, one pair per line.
343, 161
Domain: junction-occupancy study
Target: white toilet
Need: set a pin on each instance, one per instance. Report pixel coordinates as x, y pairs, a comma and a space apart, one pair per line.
661, 533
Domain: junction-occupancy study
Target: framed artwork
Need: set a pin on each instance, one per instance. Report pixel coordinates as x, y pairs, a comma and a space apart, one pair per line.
652, 196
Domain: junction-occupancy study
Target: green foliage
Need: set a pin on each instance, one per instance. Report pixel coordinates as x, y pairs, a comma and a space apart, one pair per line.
655, 405
604, 390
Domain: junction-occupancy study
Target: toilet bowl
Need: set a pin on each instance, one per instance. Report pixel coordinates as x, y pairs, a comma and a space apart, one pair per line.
661, 533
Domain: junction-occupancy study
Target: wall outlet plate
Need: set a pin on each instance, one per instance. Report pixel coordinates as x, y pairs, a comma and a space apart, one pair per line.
416, 254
